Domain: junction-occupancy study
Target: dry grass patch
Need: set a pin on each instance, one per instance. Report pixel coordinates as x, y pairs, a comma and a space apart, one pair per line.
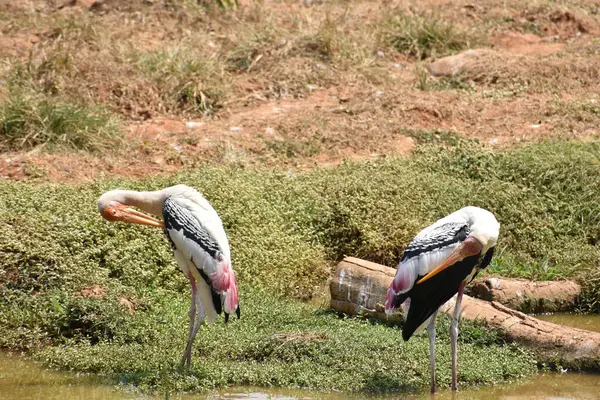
29, 120
287, 55
427, 36
179, 58
188, 82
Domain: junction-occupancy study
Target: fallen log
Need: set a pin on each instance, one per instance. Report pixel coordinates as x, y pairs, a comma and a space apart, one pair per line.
359, 287
527, 296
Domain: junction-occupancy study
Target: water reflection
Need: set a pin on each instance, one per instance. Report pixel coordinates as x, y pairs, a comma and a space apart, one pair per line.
23, 379
590, 322
552, 386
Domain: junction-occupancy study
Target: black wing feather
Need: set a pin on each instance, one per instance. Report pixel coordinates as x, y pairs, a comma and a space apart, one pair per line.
428, 296
181, 219
443, 236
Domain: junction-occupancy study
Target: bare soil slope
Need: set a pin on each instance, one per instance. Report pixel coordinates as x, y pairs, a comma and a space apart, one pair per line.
297, 84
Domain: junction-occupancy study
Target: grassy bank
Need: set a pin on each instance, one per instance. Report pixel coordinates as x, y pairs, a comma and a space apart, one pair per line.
92, 296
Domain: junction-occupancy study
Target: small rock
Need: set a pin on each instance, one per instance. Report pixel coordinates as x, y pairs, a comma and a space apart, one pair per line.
235, 129
525, 44
454, 65
94, 292
90, 3
194, 124
280, 44
64, 3
127, 304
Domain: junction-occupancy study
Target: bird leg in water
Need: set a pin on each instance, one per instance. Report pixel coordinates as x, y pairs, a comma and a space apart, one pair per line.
431, 332
454, 333
196, 309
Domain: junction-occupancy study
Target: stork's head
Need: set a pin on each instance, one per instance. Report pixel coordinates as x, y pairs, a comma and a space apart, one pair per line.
483, 235
483, 226
113, 206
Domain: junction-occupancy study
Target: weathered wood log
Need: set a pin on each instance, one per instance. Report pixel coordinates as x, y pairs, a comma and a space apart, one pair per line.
527, 296
359, 287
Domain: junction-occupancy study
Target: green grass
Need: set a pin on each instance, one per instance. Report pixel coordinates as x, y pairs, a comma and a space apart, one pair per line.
188, 82
283, 343
286, 230
29, 120
426, 36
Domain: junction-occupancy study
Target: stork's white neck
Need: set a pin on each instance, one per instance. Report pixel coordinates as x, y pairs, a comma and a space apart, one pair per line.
150, 202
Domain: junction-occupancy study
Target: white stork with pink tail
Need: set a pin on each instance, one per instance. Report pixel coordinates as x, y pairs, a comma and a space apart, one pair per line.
199, 243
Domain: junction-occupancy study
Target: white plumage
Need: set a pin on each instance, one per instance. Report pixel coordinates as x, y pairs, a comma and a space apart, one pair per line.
199, 244
435, 243
436, 265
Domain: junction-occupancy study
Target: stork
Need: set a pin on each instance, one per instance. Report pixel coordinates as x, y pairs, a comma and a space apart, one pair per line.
440, 261
199, 243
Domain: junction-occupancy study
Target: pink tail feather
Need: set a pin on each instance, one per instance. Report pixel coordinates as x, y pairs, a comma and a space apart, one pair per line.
223, 280
389, 301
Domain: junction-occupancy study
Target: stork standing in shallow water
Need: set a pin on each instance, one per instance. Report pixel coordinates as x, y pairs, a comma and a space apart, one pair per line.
199, 243
440, 261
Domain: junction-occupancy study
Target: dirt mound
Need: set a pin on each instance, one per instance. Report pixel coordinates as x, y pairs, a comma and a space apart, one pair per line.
461, 63
490, 67
561, 23
524, 44
94, 292
16, 44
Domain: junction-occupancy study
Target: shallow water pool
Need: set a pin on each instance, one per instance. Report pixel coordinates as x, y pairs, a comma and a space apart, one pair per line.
590, 322
24, 379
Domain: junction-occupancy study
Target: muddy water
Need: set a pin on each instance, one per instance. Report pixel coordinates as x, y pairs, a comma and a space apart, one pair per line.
581, 321
27, 380
24, 380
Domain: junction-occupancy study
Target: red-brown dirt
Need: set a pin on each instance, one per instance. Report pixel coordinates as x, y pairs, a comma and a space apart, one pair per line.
295, 109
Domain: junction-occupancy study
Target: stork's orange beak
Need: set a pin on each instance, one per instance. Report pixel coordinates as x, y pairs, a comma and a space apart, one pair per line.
470, 247
120, 212
136, 217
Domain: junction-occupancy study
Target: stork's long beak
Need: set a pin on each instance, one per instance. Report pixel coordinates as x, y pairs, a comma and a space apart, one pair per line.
136, 217
470, 247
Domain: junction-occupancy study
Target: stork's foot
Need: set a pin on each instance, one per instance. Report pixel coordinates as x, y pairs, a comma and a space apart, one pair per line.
432, 389
186, 359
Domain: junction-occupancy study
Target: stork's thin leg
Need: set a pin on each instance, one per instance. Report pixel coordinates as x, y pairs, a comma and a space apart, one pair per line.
196, 310
454, 333
186, 359
431, 332
201, 313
